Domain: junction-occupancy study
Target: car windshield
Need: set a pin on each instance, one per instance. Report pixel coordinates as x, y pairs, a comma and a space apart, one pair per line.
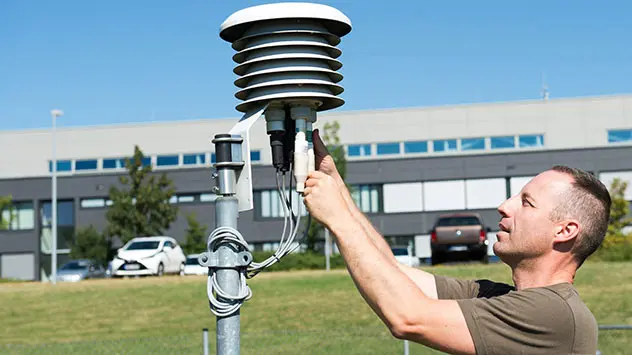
75, 265
458, 221
400, 251
192, 261
144, 245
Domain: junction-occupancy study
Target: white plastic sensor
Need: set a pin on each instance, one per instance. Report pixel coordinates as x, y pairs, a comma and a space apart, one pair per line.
300, 161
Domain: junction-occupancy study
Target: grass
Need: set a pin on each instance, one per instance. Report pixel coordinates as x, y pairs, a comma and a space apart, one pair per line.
290, 312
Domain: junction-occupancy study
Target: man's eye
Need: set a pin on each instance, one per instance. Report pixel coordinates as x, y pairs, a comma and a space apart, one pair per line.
525, 202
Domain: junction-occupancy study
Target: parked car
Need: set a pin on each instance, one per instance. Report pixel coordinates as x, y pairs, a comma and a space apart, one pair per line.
193, 267
405, 256
77, 270
143, 256
459, 232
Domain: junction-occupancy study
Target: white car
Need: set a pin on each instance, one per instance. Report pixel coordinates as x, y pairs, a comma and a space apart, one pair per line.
149, 256
192, 267
405, 256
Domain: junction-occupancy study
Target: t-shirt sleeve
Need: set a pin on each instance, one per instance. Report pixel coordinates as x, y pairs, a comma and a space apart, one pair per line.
530, 321
454, 288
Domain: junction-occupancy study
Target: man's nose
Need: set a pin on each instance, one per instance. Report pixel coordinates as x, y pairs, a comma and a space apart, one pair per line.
504, 208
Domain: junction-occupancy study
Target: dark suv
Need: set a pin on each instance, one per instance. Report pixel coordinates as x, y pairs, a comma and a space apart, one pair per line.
459, 232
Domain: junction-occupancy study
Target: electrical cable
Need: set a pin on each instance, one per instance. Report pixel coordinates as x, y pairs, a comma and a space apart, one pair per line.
223, 304
233, 302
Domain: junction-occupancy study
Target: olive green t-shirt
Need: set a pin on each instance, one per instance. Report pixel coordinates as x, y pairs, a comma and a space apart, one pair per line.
542, 320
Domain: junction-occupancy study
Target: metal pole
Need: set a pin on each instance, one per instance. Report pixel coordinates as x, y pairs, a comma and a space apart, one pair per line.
54, 205
406, 347
226, 213
327, 249
205, 340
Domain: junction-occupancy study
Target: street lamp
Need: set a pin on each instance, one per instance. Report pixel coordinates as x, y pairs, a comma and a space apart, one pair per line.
54, 113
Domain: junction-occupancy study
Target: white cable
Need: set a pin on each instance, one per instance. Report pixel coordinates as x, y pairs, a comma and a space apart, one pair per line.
214, 291
221, 235
284, 244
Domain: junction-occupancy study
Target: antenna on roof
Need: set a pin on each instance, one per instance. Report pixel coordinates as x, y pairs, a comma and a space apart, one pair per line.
545, 88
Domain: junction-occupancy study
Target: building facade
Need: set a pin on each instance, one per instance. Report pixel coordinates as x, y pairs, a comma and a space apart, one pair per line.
406, 166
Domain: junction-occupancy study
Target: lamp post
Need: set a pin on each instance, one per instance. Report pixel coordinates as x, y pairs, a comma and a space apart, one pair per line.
54, 113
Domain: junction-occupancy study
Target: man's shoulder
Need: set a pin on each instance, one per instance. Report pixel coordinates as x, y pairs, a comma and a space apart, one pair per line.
582, 315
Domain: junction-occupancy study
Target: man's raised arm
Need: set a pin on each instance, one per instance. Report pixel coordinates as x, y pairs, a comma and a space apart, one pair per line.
325, 163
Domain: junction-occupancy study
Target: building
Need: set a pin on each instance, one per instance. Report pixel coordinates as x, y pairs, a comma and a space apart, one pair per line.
407, 166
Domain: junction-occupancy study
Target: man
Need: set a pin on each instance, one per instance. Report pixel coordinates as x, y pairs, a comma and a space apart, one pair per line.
546, 232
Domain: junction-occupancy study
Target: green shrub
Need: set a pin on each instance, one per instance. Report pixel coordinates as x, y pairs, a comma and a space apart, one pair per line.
619, 252
300, 261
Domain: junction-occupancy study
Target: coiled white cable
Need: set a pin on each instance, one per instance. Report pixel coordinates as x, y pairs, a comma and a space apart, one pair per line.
233, 302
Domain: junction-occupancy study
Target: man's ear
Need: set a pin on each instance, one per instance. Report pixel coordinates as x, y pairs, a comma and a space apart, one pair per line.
566, 231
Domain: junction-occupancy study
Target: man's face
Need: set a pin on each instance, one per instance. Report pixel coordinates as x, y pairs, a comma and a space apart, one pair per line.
526, 229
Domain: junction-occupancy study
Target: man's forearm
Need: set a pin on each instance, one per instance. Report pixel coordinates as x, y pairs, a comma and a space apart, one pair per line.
424, 280
389, 292
371, 232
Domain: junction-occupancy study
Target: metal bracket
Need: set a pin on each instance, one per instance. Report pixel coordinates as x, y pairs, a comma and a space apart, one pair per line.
211, 259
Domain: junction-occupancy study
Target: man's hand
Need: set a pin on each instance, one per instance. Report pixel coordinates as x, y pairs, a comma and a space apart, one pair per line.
324, 161
324, 199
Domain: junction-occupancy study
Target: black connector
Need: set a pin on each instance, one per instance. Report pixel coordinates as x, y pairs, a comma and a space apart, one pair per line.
288, 145
277, 140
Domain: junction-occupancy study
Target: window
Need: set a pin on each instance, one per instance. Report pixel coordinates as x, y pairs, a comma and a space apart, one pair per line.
619, 135
402, 197
503, 142
472, 144
92, 202
359, 150
458, 221
367, 197
255, 155
444, 145
271, 205
388, 148
146, 161
116, 163
194, 159
448, 195
65, 226
19, 216
213, 158
167, 160
207, 197
531, 141
186, 198
485, 193
62, 165
415, 147
86, 165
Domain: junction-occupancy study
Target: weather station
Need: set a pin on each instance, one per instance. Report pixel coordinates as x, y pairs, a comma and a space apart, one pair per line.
287, 68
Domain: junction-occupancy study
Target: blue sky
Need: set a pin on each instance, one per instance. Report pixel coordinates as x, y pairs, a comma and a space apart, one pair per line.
116, 61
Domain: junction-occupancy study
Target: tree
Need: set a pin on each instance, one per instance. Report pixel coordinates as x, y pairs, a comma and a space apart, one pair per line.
336, 150
617, 245
196, 237
5, 218
142, 208
90, 244
619, 211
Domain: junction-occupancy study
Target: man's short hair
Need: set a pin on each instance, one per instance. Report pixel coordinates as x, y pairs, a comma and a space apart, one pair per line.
588, 201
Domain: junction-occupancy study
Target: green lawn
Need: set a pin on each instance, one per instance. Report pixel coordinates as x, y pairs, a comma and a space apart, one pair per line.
299, 312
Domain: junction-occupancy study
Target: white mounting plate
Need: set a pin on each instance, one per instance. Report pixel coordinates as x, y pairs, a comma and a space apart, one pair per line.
244, 178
